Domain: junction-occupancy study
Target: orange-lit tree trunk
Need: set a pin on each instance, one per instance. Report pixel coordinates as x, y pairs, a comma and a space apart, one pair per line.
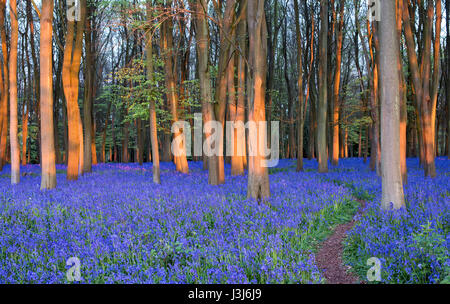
323, 90
258, 175
71, 68
171, 85
203, 46
421, 82
152, 110
241, 37
48, 178
226, 29
4, 88
13, 128
392, 186
337, 83
403, 110
436, 74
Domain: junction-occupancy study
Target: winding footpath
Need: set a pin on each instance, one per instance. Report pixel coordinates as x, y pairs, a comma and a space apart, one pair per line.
329, 257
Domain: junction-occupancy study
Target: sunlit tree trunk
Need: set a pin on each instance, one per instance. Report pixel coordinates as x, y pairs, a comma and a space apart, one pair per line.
337, 83
392, 186
403, 98
421, 82
71, 68
171, 85
4, 88
13, 128
203, 46
447, 9
258, 176
221, 82
436, 72
323, 90
152, 110
241, 37
48, 178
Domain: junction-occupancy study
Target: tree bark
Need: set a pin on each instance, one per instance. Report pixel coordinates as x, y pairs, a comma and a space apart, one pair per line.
323, 90
337, 82
152, 110
48, 177
13, 128
258, 175
392, 186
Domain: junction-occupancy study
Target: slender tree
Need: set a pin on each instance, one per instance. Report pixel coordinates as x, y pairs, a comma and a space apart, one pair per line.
152, 110
48, 178
392, 186
13, 128
71, 69
323, 89
258, 176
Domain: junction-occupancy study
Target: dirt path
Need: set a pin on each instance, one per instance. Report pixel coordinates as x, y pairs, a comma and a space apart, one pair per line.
329, 257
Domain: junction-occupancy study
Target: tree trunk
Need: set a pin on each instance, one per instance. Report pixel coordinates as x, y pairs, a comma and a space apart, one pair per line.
88, 94
323, 90
13, 128
5, 85
392, 186
172, 95
152, 110
48, 178
258, 175
337, 82
301, 120
71, 68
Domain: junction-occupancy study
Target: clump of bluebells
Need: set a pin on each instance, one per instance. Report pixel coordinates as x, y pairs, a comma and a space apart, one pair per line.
413, 243
125, 229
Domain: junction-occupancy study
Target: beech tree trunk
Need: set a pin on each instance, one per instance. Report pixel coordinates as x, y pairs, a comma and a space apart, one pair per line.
392, 186
48, 178
301, 120
152, 111
5, 85
13, 128
323, 90
258, 175
71, 68
171, 85
337, 83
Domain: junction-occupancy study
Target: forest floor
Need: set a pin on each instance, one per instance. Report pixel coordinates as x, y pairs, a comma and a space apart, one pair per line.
125, 229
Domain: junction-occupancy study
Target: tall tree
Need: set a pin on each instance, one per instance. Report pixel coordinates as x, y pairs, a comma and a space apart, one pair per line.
323, 89
71, 69
203, 46
301, 121
337, 83
13, 128
421, 83
48, 178
258, 175
392, 186
152, 110
170, 64
5, 86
